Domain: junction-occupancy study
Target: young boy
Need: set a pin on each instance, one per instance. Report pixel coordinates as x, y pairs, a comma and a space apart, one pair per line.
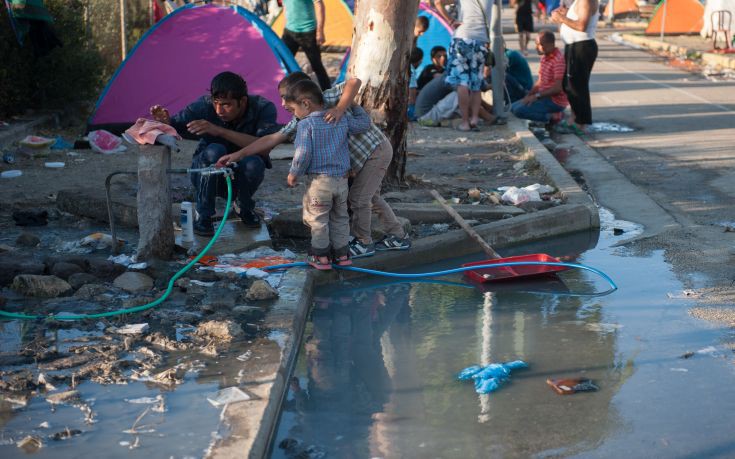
436, 68
417, 55
322, 155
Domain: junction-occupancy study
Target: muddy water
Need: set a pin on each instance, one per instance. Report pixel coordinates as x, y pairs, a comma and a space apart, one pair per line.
377, 373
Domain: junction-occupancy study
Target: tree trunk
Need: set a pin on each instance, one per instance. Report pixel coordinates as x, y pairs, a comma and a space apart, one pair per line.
380, 52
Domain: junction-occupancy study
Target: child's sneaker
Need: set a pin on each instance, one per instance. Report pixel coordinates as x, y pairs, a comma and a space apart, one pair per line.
391, 242
359, 250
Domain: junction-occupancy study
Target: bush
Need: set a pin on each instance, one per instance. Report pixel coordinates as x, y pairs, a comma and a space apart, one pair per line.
67, 75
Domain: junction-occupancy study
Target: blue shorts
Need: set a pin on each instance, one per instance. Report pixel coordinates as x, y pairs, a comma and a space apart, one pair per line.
465, 63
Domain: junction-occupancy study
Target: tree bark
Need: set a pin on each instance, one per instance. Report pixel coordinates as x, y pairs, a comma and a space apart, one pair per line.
381, 46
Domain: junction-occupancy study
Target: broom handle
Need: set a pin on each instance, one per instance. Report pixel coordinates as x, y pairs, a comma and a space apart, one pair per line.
466, 227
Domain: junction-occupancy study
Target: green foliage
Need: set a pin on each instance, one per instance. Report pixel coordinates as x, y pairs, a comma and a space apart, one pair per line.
69, 74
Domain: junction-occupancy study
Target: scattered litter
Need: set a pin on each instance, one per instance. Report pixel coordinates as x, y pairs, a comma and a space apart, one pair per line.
68, 396
542, 189
711, 350
455, 200
687, 355
688, 293
44, 425
8, 157
609, 127
227, 396
570, 386
105, 142
201, 283
99, 241
489, 378
11, 173
35, 141
517, 196
66, 433
125, 260
145, 400
132, 329
440, 227
54, 164
30, 444
73, 153
61, 144
255, 273
279, 337
601, 327
618, 231
680, 370
244, 357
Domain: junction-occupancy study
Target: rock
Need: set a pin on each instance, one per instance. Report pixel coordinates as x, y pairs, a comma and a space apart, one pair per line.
133, 282
9, 269
6, 248
261, 290
104, 269
89, 291
249, 313
474, 194
26, 239
79, 279
40, 286
30, 217
65, 270
80, 261
223, 330
135, 301
30, 444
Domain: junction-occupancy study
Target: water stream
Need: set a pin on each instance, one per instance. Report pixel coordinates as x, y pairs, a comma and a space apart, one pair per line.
376, 376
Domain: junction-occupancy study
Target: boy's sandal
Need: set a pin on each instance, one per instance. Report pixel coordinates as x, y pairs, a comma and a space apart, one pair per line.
343, 260
321, 263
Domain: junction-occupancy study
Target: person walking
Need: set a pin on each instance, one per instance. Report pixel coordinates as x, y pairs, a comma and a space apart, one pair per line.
468, 53
577, 30
524, 23
305, 30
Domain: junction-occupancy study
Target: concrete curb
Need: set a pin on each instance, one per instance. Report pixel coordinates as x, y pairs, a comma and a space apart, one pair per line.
725, 61
251, 425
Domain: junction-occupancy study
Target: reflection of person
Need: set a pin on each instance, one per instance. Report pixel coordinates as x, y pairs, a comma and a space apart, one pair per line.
224, 121
578, 29
305, 30
322, 154
524, 23
546, 97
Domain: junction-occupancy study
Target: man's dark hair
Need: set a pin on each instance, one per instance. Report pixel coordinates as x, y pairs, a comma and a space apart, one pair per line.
291, 79
436, 50
417, 54
547, 36
424, 21
304, 89
228, 85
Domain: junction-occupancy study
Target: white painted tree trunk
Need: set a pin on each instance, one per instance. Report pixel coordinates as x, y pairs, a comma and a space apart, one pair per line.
381, 47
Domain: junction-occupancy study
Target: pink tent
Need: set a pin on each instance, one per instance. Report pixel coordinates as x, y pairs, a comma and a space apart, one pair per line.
172, 65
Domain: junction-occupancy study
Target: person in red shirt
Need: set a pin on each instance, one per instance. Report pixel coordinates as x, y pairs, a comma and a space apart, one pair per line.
546, 98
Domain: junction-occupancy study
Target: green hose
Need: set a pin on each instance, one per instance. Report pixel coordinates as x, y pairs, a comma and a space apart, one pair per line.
152, 304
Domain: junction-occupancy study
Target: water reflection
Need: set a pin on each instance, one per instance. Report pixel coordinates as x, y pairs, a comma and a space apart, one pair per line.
376, 377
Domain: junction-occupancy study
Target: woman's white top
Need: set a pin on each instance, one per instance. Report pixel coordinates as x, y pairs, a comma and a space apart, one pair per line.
569, 35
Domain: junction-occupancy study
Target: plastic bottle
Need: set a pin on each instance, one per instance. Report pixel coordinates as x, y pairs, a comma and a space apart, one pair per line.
187, 222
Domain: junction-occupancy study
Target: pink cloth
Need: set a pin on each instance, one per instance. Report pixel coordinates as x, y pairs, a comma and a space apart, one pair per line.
146, 131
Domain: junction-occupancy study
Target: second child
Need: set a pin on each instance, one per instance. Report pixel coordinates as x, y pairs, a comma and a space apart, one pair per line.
323, 157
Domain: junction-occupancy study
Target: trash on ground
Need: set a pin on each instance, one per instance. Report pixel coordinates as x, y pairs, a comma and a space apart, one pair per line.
11, 173
54, 164
489, 378
570, 386
255, 273
227, 396
132, 329
61, 144
201, 283
99, 241
105, 142
30, 444
688, 293
515, 195
36, 141
128, 261
8, 157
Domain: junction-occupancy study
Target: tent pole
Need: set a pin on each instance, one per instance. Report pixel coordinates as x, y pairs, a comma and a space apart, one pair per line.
123, 47
663, 22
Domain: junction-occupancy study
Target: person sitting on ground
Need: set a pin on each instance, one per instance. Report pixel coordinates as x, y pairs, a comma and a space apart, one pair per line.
518, 76
322, 155
417, 55
224, 121
439, 101
436, 68
546, 97
305, 30
370, 154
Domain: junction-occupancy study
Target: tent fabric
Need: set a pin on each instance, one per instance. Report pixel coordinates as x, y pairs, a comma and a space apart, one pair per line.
439, 33
621, 7
337, 28
174, 62
682, 17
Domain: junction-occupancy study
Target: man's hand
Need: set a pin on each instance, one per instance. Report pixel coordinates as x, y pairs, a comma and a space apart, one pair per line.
226, 160
291, 180
202, 127
319, 36
333, 115
528, 99
160, 114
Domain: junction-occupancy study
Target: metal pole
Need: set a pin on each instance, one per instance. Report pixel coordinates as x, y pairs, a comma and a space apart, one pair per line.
123, 47
663, 22
612, 12
498, 71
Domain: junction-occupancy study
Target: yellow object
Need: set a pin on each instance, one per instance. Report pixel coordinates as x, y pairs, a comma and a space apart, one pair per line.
338, 24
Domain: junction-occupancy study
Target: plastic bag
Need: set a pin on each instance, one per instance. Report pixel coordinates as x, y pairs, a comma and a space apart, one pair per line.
515, 195
105, 142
